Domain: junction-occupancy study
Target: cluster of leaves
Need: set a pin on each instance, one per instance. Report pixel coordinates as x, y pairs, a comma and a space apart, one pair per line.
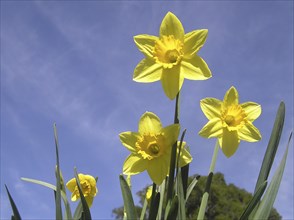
227, 201
82, 211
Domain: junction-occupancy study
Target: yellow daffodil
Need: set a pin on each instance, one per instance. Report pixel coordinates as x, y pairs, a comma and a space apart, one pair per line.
151, 148
88, 185
172, 56
230, 121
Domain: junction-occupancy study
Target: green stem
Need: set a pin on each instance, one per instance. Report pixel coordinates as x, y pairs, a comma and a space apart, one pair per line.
205, 196
171, 176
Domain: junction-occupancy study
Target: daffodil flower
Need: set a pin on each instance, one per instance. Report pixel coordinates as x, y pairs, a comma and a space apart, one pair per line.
172, 56
151, 148
88, 185
230, 121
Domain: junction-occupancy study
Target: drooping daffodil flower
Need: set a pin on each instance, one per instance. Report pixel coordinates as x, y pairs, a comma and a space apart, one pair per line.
151, 148
88, 186
230, 121
172, 56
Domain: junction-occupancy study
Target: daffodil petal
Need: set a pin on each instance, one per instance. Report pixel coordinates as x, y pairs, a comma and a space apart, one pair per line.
134, 165
194, 40
231, 97
172, 82
158, 169
171, 133
171, 25
229, 142
89, 200
252, 110
145, 43
195, 68
149, 122
147, 71
129, 139
213, 128
211, 107
249, 133
185, 156
71, 184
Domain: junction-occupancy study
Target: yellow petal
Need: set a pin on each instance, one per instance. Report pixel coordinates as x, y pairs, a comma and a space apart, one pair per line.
213, 128
158, 169
231, 97
211, 107
252, 110
229, 142
171, 25
249, 133
171, 133
89, 200
145, 43
134, 165
185, 156
71, 184
172, 81
149, 122
147, 71
194, 40
129, 139
195, 68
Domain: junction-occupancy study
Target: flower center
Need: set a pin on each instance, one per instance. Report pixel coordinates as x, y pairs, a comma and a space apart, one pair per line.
151, 145
168, 51
153, 148
234, 117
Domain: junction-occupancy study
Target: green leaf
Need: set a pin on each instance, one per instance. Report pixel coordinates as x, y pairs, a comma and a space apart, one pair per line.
51, 186
254, 201
78, 211
128, 199
58, 183
268, 200
191, 187
16, 214
86, 212
272, 146
181, 197
172, 211
154, 206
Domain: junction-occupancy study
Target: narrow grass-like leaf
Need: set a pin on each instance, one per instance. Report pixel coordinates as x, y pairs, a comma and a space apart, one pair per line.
154, 206
58, 207
86, 211
16, 214
162, 193
172, 211
191, 187
272, 146
181, 197
53, 187
254, 201
128, 199
144, 208
171, 176
268, 200
205, 196
78, 211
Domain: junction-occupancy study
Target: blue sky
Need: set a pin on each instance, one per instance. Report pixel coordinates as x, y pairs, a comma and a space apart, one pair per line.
72, 63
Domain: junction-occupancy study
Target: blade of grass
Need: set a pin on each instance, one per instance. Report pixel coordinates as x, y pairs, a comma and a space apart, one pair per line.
272, 146
51, 186
172, 211
154, 206
254, 201
267, 202
128, 199
16, 214
191, 187
58, 184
